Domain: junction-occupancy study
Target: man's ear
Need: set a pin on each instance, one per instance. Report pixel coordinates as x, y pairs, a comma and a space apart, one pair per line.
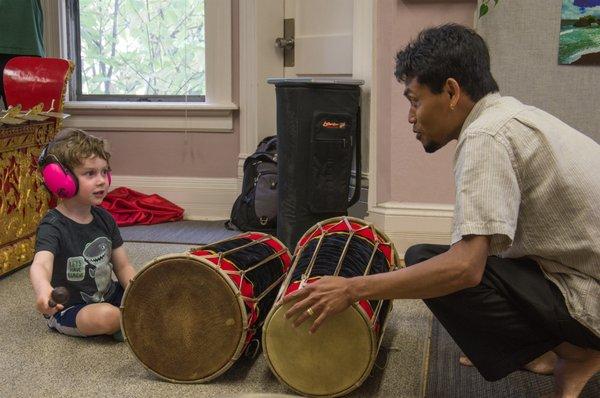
452, 88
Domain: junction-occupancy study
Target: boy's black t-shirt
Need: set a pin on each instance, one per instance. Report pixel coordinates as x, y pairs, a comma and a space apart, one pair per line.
82, 254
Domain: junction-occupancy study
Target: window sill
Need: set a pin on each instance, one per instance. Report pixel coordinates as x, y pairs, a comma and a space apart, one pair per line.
150, 116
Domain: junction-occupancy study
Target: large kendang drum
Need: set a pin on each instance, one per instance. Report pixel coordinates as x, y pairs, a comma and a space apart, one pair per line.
188, 317
340, 355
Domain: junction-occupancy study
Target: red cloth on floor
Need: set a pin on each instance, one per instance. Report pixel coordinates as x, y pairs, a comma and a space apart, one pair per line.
130, 207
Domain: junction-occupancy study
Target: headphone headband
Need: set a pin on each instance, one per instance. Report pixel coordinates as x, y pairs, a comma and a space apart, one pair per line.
44, 153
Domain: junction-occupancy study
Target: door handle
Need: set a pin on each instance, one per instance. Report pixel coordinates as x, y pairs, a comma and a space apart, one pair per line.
286, 43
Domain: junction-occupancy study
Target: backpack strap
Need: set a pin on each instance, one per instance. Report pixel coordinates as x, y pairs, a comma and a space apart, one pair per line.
263, 156
267, 144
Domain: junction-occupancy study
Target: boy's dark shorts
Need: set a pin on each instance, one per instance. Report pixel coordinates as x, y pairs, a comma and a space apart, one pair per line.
65, 321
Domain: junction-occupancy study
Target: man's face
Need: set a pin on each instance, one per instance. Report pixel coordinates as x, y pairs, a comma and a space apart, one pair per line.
431, 116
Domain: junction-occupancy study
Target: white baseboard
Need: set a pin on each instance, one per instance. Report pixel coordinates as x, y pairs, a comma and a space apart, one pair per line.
201, 198
407, 224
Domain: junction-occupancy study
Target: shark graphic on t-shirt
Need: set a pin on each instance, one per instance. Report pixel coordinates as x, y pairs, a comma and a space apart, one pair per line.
97, 255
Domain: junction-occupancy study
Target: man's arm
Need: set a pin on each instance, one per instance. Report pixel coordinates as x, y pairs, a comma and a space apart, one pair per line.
122, 267
459, 268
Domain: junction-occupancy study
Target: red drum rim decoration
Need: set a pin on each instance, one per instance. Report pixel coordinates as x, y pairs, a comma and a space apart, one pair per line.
243, 285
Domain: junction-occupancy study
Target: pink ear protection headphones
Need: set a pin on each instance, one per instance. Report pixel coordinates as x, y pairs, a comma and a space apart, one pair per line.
59, 179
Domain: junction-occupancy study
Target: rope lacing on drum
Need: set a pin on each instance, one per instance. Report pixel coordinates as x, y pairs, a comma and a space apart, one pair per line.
352, 254
258, 254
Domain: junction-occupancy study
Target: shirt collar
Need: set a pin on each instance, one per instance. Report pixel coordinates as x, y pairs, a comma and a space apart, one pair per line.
478, 109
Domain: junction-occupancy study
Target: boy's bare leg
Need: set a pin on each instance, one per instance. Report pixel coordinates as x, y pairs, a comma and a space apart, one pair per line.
543, 365
574, 368
100, 318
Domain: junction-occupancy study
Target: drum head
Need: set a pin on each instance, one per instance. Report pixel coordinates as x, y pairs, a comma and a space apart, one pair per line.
182, 319
332, 362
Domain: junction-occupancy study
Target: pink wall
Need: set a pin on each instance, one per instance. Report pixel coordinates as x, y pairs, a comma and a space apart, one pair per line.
213, 155
174, 154
405, 173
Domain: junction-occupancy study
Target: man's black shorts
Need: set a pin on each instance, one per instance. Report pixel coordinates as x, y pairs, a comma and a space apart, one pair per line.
512, 317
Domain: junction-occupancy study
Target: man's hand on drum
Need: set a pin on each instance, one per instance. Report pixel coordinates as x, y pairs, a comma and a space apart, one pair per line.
321, 299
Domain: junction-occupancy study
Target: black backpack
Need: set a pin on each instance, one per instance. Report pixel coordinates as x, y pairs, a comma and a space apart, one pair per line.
256, 207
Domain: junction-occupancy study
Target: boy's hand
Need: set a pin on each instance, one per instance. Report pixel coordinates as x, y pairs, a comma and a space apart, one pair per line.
42, 304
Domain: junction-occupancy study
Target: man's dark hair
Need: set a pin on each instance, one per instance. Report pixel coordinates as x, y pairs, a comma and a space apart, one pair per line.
448, 51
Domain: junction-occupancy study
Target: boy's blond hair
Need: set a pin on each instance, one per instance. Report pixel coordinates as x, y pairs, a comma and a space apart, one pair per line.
71, 146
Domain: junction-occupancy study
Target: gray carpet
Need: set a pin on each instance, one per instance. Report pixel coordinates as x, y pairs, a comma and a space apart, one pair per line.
37, 362
185, 232
447, 378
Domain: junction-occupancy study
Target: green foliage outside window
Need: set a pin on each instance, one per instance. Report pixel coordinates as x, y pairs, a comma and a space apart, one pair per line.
142, 47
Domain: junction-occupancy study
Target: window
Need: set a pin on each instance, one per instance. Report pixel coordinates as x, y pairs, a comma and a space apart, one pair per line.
137, 50
192, 93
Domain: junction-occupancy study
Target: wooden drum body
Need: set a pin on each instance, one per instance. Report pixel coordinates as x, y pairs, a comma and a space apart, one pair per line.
340, 355
188, 317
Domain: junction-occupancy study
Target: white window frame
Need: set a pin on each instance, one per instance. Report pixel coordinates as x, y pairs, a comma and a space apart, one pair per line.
213, 115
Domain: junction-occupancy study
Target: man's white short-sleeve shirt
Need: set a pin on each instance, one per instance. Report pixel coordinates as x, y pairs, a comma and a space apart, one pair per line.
532, 183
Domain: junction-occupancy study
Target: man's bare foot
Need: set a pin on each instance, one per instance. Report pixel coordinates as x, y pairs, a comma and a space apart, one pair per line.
543, 365
574, 368
464, 361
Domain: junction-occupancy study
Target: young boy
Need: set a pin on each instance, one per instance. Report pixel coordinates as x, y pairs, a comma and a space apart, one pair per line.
78, 243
